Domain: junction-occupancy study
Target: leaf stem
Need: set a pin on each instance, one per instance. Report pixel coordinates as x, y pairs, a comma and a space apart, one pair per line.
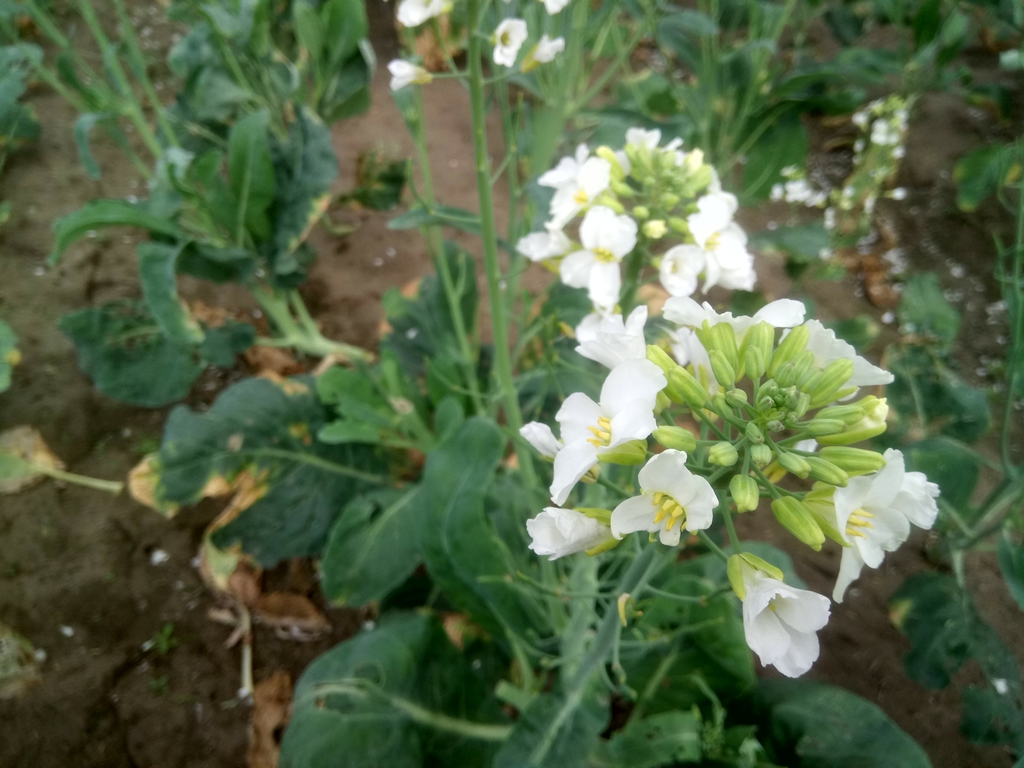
110, 486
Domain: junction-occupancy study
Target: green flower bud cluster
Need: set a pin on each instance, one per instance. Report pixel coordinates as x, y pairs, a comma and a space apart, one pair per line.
765, 399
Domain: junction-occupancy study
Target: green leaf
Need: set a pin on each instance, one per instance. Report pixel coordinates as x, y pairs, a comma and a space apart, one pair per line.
224, 342
251, 171
1011, 563
381, 182
462, 552
107, 213
9, 354
572, 743
803, 243
371, 699
953, 466
782, 145
812, 725
129, 358
265, 431
440, 215
979, 173
219, 265
372, 548
659, 740
992, 717
924, 311
157, 262
305, 168
859, 331
83, 126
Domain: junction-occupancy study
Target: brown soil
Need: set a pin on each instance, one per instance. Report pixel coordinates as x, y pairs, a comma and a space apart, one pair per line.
77, 558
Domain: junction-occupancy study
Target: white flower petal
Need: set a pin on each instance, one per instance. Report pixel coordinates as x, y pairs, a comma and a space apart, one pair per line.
629, 382
541, 438
571, 463
680, 269
917, 500
576, 267
576, 415
610, 341
559, 532
660, 472
634, 422
803, 651
849, 571
605, 283
632, 515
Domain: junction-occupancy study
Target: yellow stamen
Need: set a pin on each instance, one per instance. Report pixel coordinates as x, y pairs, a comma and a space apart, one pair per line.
602, 433
855, 532
581, 197
604, 255
713, 242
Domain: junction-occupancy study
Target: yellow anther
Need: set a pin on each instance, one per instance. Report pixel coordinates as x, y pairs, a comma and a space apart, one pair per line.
669, 507
605, 423
604, 255
713, 242
658, 496
581, 197
855, 532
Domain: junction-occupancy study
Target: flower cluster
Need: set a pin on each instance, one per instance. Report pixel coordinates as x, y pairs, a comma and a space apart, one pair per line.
634, 202
508, 40
775, 395
876, 159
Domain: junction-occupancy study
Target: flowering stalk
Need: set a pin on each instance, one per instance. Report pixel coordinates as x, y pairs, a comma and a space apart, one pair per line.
499, 326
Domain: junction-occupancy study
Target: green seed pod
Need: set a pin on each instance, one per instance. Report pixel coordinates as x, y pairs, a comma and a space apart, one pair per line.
676, 437
745, 493
854, 461
826, 471
761, 455
723, 454
791, 346
754, 433
723, 371
835, 375
795, 464
819, 426
690, 390
628, 454
796, 518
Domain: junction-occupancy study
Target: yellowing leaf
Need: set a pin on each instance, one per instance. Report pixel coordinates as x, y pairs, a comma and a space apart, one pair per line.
19, 668
24, 457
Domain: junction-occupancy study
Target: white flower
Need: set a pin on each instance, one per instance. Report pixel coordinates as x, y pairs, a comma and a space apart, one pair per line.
680, 269
404, 73
826, 348
547, 49
714, 213
577, 181
672, 499
640, 137
606, 238
781, 622
724, 243
810, 445
626, 412
412, 13
559, 532
874, 514
778, 192
900, 193
538, 246
541, 438
610, 341
554, 6
508, 39
784, 313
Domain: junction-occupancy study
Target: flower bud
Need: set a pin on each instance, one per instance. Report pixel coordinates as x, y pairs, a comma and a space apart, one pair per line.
679, 225
723, 454
854, 461
826, 471
692, 163
603, 516
724, 372
734, 569
655, 229
796, 518
848, 414
775, 426
745, 493
641, 212
669, 200
785, 374
721, 338
690, 390
757, 349
872, 425
791, 346
761, 455
662, 359
661, 402
810, 380
820, 501
676, 437
718, 401
629, 454
796, 464
736, 398
802, 404
606, 153
608, 200
835, 375
819, 426
803, 364
754, 433
622, 189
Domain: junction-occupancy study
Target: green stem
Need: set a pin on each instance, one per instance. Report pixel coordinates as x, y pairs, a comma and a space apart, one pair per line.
707, 542
499, 326
418, 714
110, 486
301, 334
730, 528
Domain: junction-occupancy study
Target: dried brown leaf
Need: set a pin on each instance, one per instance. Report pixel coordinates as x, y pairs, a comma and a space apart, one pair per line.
271, 710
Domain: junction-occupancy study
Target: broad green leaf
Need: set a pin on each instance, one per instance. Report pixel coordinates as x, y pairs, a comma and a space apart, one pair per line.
127, 355
219, 265
782, 145
951, 465
924, 311
251, 171
107, 213
366, 702
158, 274
1011, 563
381, 181
979, 173
266, 431
462, 552
305, 167
372, 548
573, 741
803, 243
223, 343
9, 354
992, 716
812, 725
83, 127
664, 739
307, 28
